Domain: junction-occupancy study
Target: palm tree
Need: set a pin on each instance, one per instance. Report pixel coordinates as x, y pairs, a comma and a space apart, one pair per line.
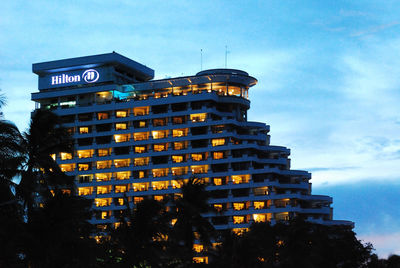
41, 173
189, 220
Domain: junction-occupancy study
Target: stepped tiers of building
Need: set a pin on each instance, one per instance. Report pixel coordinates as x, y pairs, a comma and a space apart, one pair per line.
137, 137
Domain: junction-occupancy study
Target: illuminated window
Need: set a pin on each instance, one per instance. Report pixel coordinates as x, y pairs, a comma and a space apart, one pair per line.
123, 175
104, 152
218, 207
84, 130
103, 176
218, 155
160, 147
238, 179
104, 189
259, 204
159, 134
179, 132
53, 156
199, 169
120, 126
238, 206
140, 186
140, 149
121, 114
102, 202
238, 219
66, 156
240, 231
85, 190
176, 184
260, 191
121, 137
85, 153
138, 111
177, 158
137, 199
159, 198
102, 116
178, 120
179, 171
105, 215
259, 217
160, 172
141, 174
200, 260
217, 181
284, 216
118, 163
197, 157
218, 142
198, 117
121, 188
120, 201
67, 167
141, 161
140, 136
83, 166
173, 221
103, 164
180, 145
198, 248
85, 178
160, 185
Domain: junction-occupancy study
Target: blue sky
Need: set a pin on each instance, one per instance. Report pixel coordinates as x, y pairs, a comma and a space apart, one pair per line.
327, 72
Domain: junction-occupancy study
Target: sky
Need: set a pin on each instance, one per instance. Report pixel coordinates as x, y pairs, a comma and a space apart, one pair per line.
327, 71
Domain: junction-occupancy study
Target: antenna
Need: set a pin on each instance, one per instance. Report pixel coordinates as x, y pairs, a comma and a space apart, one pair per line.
201, 59
226, 56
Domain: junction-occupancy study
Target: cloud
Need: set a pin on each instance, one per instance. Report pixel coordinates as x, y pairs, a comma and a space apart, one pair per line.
385, 244
374, 29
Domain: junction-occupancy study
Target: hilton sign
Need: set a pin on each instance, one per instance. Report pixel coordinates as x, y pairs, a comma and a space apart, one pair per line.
89, 76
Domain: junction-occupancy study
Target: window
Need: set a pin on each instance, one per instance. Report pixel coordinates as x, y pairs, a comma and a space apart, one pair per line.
102, 202
140, 186
83, 166
180, 145
104, 189
198, 117
141, 161
179, 171
259, 204
85, 190
139, 136
238, 179
120, 126
178, 120
177, 158
180, 132
198, 248
159, 198
238, 206
159, 122
259, 217
102, 116
66, 156
120, 114
121, 137
140, 149
217, 181
67, 167
84, 178
197, 157
160, 185
218, 155
160, 134
103, 164
123, 175
120, 201
84, 130
137, 199
218, 207
85, 153
218, 142
121, 188
199, 169
176, 184
138, 111
118, 163
160, 147
104, 152
160, 172
103, 176
238, 219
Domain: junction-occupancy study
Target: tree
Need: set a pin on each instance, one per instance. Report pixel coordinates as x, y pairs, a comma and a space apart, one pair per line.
189, 220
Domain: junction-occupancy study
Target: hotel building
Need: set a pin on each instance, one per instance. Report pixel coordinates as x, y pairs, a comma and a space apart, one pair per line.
138, 137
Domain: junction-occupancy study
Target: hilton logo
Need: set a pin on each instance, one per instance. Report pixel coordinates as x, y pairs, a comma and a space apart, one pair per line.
89, 76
